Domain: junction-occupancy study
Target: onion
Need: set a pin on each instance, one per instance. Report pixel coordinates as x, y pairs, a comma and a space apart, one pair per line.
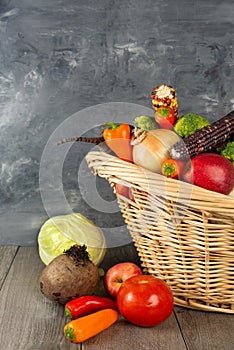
153, 148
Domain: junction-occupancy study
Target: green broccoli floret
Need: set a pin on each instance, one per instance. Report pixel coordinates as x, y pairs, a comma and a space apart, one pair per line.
189, 123
144, 122
228, 151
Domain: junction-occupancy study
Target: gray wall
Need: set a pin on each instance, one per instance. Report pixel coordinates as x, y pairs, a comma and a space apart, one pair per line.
59, 57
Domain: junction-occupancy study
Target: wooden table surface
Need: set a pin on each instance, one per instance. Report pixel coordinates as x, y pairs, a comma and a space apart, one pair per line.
29, 321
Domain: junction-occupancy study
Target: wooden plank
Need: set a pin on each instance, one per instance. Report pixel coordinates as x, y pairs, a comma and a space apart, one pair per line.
204, 330
7, 254
123, 335
29, 321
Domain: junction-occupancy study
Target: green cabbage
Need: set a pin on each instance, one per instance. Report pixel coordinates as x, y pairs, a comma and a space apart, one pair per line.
59, 233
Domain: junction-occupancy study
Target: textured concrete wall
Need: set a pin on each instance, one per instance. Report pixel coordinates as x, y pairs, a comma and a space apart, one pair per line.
59, 57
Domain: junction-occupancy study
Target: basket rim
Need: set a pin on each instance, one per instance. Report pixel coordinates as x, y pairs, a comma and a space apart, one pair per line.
115, 169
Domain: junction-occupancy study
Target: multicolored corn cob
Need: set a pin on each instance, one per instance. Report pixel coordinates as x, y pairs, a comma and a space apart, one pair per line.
164, 96
208, 138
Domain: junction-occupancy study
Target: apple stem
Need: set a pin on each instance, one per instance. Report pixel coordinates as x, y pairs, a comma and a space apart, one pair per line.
119, 280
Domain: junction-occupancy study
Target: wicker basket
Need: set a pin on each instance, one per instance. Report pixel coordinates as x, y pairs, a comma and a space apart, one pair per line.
183, 233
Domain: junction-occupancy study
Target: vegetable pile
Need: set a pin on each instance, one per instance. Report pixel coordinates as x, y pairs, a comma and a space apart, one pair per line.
169, 144
142, 300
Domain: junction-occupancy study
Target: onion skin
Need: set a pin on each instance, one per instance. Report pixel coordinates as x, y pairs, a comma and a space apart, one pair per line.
154, 149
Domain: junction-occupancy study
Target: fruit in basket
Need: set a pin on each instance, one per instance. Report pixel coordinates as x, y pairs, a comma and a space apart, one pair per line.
173, 168
164, 96
117, 138
210, 171
69, 276
190, 123
208, 138
151, 148
117, 274
165, 117
123, 190
145, 300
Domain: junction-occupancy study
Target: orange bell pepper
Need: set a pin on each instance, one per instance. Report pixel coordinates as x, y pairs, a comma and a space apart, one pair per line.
118, 139
86, 327
173, 168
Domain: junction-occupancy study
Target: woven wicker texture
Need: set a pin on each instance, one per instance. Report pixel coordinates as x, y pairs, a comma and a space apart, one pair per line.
183, 233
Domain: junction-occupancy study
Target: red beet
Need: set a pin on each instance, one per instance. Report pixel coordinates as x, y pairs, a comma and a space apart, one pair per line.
211, 171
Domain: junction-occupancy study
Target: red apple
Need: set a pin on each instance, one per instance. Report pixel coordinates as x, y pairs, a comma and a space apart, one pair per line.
211, 171
117, 274
124, 190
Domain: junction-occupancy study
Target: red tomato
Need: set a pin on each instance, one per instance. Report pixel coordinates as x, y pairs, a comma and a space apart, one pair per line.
165, 117
145, 300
